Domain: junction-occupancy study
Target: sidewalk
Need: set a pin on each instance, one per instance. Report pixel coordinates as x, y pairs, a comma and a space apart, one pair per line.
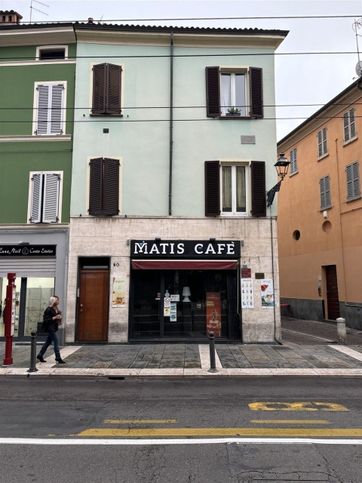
308, 355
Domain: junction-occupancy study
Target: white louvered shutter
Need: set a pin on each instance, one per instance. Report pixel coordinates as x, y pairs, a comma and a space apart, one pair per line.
36, 187
43, 109
56, 111
350, 187
51, 198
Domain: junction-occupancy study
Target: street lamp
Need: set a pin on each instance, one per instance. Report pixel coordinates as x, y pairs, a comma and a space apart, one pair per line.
281, 166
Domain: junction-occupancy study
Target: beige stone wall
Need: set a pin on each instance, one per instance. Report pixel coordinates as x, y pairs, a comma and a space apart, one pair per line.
111, 237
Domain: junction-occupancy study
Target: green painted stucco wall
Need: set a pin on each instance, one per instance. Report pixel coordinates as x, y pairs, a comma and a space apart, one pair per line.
16, 113
17, 160
21, 156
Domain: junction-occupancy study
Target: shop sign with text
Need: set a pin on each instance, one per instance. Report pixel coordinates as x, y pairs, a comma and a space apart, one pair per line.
218, 249
27, 250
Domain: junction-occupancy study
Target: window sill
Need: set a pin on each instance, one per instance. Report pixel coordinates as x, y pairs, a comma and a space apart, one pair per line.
354, 198
326, 208
237, 116
325, 155
233, 215
105, 115
352, 140
293, 174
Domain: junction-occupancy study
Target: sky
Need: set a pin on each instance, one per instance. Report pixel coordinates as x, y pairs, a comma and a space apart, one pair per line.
315, 62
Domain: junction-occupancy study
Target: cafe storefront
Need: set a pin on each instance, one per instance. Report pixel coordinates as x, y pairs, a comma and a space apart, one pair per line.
184, 289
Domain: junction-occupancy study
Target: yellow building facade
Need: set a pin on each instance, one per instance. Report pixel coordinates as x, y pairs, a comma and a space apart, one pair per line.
320, 213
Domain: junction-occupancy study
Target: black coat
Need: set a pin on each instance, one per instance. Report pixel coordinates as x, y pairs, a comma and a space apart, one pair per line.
48, 323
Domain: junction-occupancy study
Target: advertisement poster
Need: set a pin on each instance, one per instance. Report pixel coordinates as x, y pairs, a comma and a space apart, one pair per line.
247, 293
118, 292
173, 312
213, 313
167, 306
267, 292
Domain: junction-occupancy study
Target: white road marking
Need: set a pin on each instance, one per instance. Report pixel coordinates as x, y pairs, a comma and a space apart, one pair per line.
60, 370
167, 442
204, 350
346, 350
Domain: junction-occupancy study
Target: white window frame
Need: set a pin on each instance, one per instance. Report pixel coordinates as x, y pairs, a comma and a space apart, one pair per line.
36, 108
30, 196
322, 143
349, 125
293, 161
233, 211
51, 47
356, 179
245, 111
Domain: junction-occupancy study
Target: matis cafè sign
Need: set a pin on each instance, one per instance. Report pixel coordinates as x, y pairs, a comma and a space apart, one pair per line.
218, 249
27, 250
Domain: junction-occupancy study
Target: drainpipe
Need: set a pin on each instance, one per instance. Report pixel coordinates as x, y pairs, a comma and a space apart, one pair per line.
171, 129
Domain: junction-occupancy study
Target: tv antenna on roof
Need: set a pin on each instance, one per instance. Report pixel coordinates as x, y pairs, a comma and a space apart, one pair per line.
37, 9
357, 25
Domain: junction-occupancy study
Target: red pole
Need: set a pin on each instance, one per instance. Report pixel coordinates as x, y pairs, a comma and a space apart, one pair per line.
9, 314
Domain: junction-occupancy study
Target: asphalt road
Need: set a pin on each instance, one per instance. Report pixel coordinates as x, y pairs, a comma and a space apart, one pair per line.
178, 430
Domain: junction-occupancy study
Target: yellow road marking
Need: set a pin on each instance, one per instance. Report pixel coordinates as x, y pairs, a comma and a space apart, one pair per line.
140, 421
290, 421
214, 432
296, 406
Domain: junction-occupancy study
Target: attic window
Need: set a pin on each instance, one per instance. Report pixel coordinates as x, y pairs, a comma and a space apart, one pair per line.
52, 53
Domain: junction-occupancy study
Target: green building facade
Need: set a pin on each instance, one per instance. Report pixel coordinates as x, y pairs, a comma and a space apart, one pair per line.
37, 75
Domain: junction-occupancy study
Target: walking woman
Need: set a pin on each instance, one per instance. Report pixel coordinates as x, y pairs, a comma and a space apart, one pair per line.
51, 319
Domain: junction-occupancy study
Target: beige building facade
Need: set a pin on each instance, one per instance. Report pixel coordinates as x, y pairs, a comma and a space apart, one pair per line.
320, 213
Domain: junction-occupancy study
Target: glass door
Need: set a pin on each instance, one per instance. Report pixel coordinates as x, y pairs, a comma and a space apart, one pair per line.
31, 298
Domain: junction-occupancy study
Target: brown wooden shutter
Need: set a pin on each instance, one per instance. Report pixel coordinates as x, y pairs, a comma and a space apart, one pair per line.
212, 188
114, 89
110, 187
256, 92
212, 92
258, 189
95, 186
99, 102
106, 89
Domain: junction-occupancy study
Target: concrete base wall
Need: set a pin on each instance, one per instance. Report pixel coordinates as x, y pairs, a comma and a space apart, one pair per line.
111, 237
313, 310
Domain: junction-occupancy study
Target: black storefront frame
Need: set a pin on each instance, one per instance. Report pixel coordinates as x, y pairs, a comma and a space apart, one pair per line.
234, 325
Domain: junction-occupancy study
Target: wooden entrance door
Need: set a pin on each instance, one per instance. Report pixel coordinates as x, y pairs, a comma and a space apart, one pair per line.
93, 305
332, 292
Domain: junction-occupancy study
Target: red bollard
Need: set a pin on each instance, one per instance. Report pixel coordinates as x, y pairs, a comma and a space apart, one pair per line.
9, 315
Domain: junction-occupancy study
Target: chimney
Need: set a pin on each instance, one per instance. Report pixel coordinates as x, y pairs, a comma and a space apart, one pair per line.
9, 17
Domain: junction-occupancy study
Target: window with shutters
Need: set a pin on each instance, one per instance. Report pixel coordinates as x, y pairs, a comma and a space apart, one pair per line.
353, 182
104, 187
45, 193
322, 142
234, 93
293, 161
235, 189
49, 108
107, 88
349, 125
325, 192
